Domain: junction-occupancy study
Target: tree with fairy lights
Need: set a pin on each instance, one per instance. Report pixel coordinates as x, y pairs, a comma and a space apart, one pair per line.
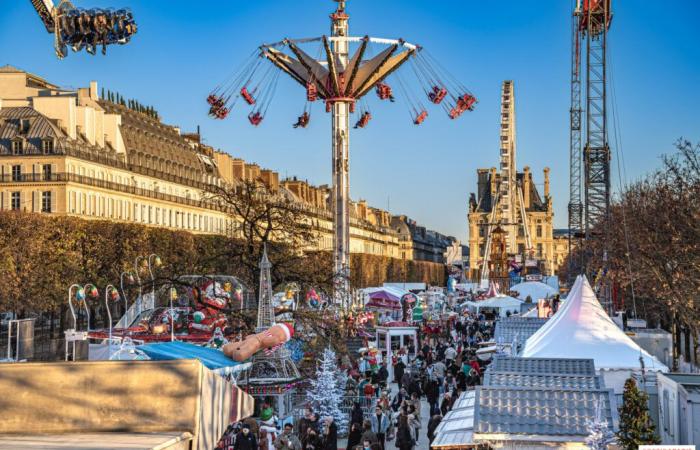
326, 393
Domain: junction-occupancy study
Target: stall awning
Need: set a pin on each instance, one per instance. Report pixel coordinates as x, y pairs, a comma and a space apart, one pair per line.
211, 358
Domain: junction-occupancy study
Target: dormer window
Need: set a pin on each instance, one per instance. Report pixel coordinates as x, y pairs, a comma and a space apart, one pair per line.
47, 146
24, 125
17, 146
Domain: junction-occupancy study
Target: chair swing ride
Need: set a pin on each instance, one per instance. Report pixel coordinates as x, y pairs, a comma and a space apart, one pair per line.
87, 29
340, 70
333, 76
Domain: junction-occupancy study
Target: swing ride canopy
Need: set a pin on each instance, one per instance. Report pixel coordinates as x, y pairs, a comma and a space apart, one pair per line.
314, 64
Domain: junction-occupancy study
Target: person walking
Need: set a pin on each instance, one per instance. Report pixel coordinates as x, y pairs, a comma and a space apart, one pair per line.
288, 440
432, 393
380, 424
245, 440
404, 436
399, 369
356, 415
355, 436
414, 421
432, 426
330, 434
367, 433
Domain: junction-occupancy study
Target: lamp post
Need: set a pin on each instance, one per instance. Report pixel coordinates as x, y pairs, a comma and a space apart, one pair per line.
139, 300
81, 294
111, 293
173, 296
157, 263
131, 280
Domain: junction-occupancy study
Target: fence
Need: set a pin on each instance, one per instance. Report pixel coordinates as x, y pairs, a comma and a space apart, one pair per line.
299, 403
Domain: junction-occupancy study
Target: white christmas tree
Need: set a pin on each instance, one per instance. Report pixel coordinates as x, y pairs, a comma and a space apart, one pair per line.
326, 394
599, 434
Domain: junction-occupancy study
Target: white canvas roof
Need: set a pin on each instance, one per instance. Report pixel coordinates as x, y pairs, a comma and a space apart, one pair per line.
502, 302
535, 289
582, 329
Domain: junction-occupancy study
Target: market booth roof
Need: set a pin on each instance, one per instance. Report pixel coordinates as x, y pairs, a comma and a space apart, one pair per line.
582, 329
534, 289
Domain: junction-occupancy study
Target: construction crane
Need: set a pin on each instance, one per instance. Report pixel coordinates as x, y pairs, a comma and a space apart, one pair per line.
590, 25
80, 29
588, 217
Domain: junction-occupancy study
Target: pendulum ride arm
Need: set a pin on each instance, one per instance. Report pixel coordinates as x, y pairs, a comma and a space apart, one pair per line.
45, 9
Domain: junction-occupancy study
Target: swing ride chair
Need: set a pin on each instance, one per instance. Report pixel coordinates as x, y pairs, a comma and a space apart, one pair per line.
338, 75
87, 29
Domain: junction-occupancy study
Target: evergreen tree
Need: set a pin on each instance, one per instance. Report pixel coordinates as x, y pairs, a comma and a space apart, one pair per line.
325, 394
636, 426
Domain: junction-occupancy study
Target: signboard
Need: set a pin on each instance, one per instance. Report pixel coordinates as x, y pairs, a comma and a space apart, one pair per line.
535, 277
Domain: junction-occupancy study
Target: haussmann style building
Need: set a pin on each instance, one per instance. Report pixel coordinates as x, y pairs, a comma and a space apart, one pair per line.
93, 155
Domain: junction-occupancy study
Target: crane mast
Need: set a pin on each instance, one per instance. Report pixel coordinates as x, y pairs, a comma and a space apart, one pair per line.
575, 206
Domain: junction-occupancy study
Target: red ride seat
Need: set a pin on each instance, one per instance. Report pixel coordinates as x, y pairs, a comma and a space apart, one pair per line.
311, 92
420, 117
437, 94
247, 96
255, 118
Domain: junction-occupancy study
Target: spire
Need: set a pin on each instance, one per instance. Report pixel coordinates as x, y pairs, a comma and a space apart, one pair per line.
266, 313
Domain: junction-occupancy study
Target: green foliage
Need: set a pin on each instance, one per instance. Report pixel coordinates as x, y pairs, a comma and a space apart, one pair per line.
636, 426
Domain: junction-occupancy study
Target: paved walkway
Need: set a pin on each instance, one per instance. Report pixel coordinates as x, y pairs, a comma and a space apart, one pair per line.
422, 443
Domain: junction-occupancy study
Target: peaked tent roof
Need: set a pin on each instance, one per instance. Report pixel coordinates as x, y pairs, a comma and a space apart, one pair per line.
582, 329
535, 289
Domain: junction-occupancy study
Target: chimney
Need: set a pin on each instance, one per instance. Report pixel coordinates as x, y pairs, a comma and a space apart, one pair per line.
546, 182
526, 186
493, 185
93, 91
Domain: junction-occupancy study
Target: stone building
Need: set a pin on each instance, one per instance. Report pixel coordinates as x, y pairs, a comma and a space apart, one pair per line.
72, 152
509, 199
420, 244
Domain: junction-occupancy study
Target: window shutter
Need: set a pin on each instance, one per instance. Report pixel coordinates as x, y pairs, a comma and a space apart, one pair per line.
54, 198
53, 171
36, 201
3, 200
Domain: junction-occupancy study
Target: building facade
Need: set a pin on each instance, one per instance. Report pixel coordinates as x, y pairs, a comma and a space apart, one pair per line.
508, 200
79, 153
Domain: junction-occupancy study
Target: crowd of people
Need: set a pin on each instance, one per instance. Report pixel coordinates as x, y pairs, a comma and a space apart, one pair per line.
385, 412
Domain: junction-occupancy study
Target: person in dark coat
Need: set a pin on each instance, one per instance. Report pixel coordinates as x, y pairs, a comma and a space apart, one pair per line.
432, 425
312, 441
330, 434
355, 436
399, 369
245, 440
432, 392
356, 415
382, 375
404, 437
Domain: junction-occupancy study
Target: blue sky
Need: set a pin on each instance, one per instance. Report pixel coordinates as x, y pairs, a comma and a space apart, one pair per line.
184, 49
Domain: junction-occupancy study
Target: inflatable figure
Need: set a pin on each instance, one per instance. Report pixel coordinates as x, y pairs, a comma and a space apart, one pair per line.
270, 339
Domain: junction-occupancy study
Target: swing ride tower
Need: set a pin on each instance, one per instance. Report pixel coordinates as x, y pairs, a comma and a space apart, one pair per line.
344, 71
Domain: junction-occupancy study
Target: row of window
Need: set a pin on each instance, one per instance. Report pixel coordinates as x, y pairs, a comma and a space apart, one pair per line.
16, 172
102, 206
19, 146
15, 202
521, 233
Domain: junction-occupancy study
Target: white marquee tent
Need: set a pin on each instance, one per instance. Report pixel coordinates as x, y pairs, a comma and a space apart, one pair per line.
535, 289
582, 329
502, 303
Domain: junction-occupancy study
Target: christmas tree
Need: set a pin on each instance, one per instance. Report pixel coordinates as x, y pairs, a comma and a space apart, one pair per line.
325, 394
636, 426
599, 434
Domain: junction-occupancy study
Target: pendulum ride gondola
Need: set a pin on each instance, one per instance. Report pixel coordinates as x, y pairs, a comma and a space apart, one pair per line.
87, 29
344, 70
